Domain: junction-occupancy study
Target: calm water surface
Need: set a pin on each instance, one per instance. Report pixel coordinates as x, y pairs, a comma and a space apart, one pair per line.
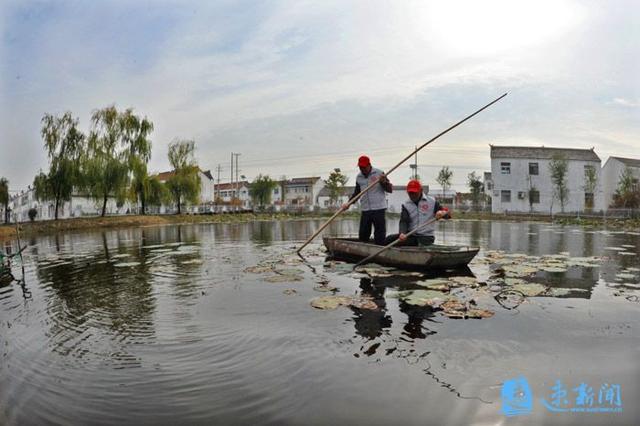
161, 325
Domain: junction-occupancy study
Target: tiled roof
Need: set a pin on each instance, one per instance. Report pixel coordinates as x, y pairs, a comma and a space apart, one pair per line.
233, 185
303, 181
543, 153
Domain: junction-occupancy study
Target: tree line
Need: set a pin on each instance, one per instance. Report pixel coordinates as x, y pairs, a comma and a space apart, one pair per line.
110, 160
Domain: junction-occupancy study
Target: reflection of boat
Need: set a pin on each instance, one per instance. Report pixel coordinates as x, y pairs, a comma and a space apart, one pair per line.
429, 257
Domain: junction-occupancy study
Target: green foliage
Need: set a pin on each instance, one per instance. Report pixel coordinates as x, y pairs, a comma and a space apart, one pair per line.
32, 214
335, 184
65, 145
260, 190
476, 188
590, 182
558, 168
4, 197
627, 194
184, 185
444, 179
118, 151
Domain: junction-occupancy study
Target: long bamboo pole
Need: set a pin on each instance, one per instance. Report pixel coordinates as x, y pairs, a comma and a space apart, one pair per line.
372, 184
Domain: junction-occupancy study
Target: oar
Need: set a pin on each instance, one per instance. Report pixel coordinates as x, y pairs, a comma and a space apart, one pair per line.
372, 184
388, 246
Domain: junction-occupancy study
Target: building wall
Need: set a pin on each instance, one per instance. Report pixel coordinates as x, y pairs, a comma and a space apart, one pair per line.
520, 181
611, 173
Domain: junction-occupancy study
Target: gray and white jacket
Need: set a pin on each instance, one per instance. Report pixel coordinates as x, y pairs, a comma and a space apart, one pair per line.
375, 198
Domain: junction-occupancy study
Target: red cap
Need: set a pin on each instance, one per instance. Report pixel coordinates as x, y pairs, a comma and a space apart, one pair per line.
364, 161
414, 186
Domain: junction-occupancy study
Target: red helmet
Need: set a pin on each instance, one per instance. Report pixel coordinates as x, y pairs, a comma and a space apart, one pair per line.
414, 185
364, 161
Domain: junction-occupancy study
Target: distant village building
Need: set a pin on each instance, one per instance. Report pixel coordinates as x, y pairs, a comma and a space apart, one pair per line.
324, 197
225, 193
611, 172
302, 193
521, 181
79, 205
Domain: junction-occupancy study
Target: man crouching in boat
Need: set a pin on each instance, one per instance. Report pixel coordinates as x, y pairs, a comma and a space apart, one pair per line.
418, 209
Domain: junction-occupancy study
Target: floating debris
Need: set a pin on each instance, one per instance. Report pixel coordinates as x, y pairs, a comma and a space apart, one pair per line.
289, 292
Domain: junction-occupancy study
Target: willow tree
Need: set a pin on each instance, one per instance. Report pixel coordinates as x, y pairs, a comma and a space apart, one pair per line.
118, 150
260, 190
4, 197
184, 184
65, 145
627, 193
558, 169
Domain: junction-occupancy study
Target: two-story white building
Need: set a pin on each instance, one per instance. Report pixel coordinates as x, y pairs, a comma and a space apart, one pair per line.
611, 172
225, 193
302, 193
521, 180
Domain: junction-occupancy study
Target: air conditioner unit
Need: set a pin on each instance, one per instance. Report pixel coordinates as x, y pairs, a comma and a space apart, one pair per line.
522, 195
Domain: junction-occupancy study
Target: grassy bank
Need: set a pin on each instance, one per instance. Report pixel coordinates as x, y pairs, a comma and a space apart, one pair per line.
64, 225
630, 224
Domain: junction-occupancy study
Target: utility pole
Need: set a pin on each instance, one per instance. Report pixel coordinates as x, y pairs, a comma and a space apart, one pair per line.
216, 194
237, 186
415, 163
231, 178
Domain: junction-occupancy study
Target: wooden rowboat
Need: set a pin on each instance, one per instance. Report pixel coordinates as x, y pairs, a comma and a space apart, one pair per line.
422, 258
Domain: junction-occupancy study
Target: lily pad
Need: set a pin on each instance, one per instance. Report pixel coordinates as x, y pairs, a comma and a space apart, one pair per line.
289, 292
514, 281
439, 284
626, 276
471, 313
258, 269
553, 269
557, 291
519, 270
424, 298
464, 281
283, 278
330, 302
530, 289
325, 288
126, 264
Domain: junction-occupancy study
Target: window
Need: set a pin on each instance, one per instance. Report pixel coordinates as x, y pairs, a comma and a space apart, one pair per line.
534, 197
588, 199
489, 185
505, 168
275, 191
505, 196
533, 169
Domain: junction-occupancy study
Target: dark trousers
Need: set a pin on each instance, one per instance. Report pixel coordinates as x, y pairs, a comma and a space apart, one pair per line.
377, 219
411, 241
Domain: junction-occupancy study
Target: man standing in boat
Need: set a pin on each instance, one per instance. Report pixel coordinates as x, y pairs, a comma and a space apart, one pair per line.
418, 209
373, 204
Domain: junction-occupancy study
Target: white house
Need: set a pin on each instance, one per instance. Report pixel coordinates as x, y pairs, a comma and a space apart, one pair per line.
78, 206
226, 192
521, 180
611, 172
302, 193
324, 197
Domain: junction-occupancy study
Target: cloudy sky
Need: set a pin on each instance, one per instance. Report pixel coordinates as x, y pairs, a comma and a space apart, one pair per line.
299, 88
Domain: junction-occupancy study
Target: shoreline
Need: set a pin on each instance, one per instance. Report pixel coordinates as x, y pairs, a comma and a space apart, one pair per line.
27, 229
